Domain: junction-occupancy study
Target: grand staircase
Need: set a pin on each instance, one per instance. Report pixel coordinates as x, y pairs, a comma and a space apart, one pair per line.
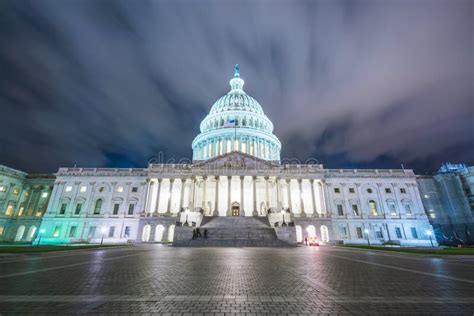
231, 232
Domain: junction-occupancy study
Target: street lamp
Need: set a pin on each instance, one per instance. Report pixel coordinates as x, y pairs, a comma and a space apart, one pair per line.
41, 232
429, 233
367, 234
103, 230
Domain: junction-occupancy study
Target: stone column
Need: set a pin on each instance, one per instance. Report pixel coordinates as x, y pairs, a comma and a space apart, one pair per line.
191, 193
149, 195
254, 184
278, 193
288, 183
204, 193
313, 198
216, 197
229, 184
300, 186
170, 196
181, 194
158, 189
267, 195
242, 193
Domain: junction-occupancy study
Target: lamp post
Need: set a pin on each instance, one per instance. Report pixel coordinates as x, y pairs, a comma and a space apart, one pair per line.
103, 230
429, 233
367, 234
41, 232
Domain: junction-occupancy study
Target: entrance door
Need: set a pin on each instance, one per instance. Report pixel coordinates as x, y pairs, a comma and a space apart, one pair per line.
235, 210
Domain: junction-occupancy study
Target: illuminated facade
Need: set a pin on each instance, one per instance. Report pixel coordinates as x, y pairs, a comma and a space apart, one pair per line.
236, 175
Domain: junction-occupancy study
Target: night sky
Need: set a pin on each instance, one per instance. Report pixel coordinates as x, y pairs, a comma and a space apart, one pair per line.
354, 84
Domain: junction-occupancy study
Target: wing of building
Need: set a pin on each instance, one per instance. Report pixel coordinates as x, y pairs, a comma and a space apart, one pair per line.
237, 191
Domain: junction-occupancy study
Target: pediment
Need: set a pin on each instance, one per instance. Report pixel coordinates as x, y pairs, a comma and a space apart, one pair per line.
236, 160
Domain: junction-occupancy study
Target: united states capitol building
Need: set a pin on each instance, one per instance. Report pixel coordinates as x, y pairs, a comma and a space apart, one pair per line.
237, 188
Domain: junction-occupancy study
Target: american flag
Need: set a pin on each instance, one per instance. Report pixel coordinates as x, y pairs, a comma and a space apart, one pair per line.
230, 123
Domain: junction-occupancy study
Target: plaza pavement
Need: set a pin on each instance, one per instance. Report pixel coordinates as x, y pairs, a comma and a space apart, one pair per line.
236, 281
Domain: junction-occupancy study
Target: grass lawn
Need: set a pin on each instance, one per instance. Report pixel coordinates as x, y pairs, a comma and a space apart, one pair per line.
427, 251
48, 248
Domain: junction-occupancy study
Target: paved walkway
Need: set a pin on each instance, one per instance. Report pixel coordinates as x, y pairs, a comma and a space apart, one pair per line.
252, 281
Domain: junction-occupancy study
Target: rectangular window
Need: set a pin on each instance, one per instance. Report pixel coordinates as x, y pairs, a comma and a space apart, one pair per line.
44, 194
16, 191
378, 234
359, 232
131, 207
403, 190
134, 189
126, 234
68, 188
388, 190
2, 229
78, 208
337, 190
120, 189
340, 211
91, 232
72, 232
355, 210
3, 189
351, 190
21, 210
414, 233
57, 231
116, 209
343, 231
111, 231
398, 232
408, 209
9, 211
83, 188
63, 208
393, 209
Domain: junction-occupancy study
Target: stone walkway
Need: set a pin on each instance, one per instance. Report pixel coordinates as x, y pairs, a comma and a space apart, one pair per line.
231, 281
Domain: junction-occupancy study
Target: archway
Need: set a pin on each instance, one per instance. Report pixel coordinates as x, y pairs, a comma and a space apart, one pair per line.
31, 233
311, 230
146, 233
19, 233
159, 233
171, 233
235, 209
299, 233
324, 233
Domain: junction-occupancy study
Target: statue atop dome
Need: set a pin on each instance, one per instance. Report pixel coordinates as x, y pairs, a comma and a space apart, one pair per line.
236, 71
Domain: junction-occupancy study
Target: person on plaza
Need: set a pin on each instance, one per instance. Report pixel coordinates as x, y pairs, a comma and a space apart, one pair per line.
198, 233
306, 240
194, 234
205, 232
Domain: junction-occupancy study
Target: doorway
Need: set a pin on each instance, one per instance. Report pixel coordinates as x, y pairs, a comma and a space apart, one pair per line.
235, 209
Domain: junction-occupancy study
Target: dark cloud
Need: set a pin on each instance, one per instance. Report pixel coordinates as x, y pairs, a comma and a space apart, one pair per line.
352, 83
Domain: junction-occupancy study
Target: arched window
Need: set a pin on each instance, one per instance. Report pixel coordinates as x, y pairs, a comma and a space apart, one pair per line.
98, 206
299, 233
171, 233
373, 208
159, 233
311, 230
324, 233
146, 233
19, 233
31, 233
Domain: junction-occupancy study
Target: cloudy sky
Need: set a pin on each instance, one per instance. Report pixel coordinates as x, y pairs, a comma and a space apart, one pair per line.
350, 83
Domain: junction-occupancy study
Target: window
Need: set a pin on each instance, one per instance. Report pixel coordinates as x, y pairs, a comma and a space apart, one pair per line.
388, 190
408, 209
44, 194
83, 188
63, 208
355, 210
78, 208
9, 211
369, 190
126, 234
359, 232
56, 231
134, 189
340, 211
2, 229
116, 209
403, 190
414, 233
111, 231
343, 232
393, 209
16, 191
351, 190
379, 234
120, 189
68, 188
3, 188
98, 206
398, 232
373, 208
131, 207
21, 210
91, 232
72, 231
101, 189
337, 190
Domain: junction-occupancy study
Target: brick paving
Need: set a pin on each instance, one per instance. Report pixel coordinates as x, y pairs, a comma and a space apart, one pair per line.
155, 279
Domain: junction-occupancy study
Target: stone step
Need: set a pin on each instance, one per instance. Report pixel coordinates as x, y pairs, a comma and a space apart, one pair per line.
238, 221
203, 242
240, 233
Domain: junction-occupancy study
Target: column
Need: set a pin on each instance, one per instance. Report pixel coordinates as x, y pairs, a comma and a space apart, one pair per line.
313, 198
229, 183
157, 203
278, 193
181, 194
242, 193
191, 193
170, 197
204, 200
254, 184
288, 183
267, 195
300, 187
148, 197
216, 197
